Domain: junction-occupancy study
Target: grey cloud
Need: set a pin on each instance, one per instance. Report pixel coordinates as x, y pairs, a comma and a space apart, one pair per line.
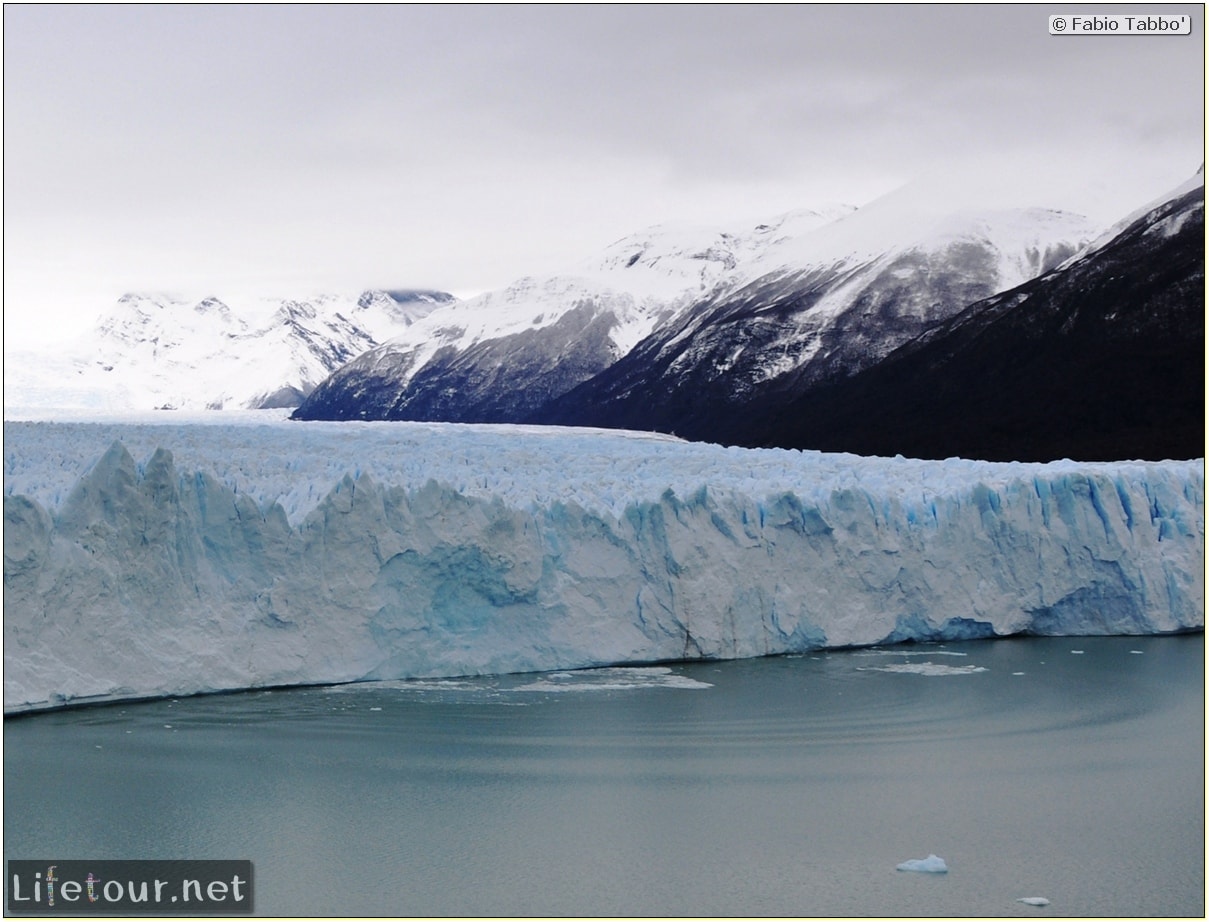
487, 141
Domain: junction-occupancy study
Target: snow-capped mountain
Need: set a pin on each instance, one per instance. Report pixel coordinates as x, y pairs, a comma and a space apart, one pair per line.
502, 355
514, 355
1102, 359
160, 351
816, 307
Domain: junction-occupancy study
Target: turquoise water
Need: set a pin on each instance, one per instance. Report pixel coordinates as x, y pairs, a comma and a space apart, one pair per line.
786, 786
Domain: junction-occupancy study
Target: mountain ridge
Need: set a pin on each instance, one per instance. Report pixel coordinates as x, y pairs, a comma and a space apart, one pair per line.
847, 329
164, 351
795, 326
484, 362
1100, 359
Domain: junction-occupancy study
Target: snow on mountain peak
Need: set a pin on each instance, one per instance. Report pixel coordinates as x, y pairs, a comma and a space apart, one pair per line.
175, 352
402, 306
668, 261
636, 283
915, 218
499, 354
1193, 183
165, 351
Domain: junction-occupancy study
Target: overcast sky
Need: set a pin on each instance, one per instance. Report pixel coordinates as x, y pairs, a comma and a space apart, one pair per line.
300, 149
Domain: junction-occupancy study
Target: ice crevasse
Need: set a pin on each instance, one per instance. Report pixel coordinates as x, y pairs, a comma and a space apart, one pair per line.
144, 559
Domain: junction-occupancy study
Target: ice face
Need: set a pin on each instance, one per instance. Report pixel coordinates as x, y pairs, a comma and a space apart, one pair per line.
254, 553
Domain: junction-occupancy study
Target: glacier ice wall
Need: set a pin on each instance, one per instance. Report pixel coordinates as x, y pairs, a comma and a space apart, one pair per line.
237, 556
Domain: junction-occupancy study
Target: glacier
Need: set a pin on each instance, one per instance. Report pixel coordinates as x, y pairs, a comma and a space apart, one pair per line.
171, 554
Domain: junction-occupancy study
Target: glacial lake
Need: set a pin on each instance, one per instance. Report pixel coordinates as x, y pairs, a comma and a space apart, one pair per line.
1066, 768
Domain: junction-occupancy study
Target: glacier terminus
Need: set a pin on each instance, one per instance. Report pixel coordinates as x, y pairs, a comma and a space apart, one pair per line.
153, 556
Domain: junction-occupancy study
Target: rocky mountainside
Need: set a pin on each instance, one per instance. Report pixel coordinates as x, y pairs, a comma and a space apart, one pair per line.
817, 309
897, 328
673, 319
503, 355
1101, 359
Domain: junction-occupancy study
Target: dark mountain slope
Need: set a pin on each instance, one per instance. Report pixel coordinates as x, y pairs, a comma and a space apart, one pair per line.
498, 380
780, 335
1101, 360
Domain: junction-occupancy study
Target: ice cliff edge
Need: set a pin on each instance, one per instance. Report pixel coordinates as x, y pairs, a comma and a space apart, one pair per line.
148, 579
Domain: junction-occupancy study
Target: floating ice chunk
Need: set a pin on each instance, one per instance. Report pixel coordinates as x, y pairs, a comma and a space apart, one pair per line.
1138, 652
1033, 901
431, 685
1017, 673
612, 678
930, 865
1080, 652
908, 653
924, 669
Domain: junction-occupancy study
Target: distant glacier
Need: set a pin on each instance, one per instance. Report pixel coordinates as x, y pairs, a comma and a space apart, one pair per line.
161, 557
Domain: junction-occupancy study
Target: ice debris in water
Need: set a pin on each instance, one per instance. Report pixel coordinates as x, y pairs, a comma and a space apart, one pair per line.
1033, 900
931, 865
924, 669
612, 679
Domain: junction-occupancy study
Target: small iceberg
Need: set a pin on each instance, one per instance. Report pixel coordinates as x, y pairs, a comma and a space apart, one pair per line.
1033, 900
924, 669
930, 865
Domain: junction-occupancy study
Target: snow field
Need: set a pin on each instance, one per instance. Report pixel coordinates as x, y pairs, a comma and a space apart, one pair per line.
295, 464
